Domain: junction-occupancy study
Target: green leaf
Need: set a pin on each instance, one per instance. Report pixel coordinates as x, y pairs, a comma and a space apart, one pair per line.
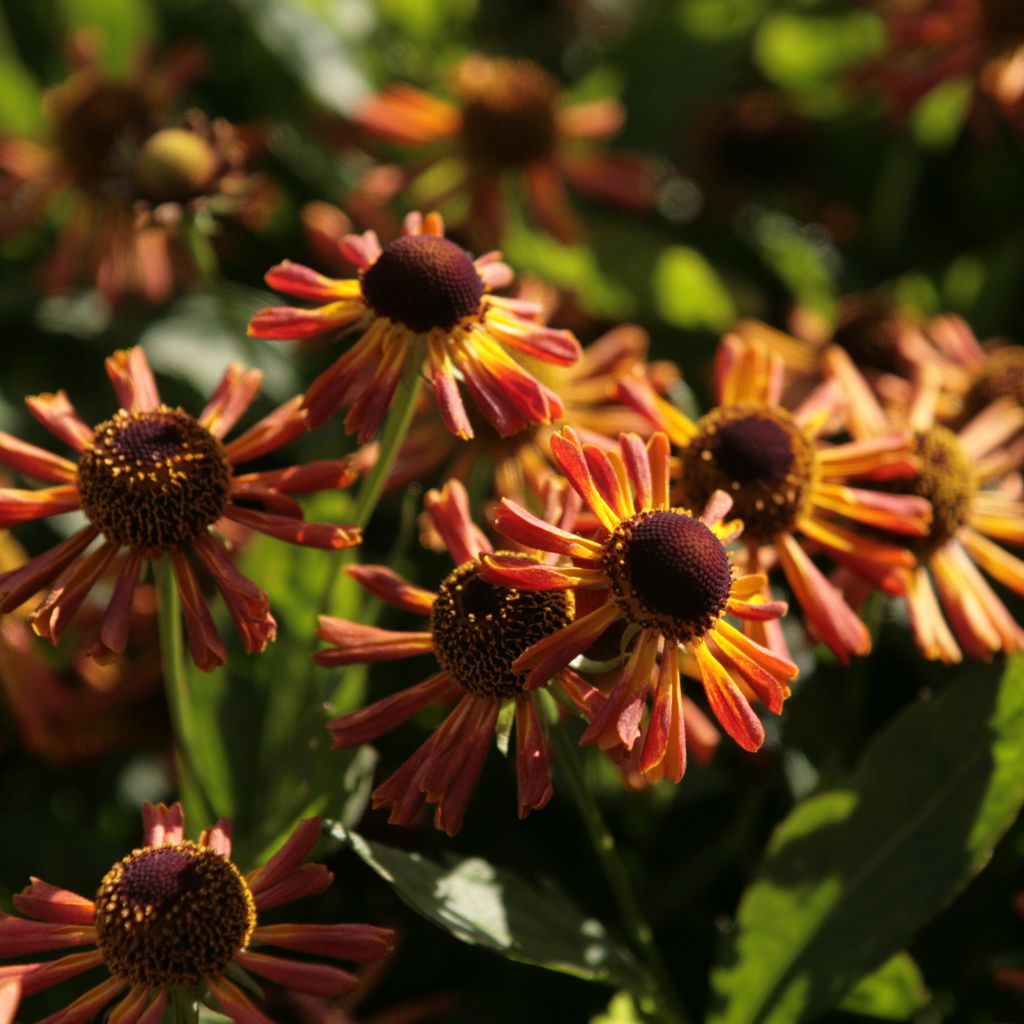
896, 991
689, 293
856, 870
937, 120
486, 906
124, 26
621, 1010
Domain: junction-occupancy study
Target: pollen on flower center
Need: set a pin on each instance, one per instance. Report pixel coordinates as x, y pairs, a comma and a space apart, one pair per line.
480, 629
669, 572
97, 130
508, 111
1000, 376
153, 480
173, 915
946, 480
423, 281
759, 456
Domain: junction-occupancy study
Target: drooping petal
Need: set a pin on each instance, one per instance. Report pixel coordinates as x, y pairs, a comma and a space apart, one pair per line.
359, 942
111, 639
204, 643
519, 524
556, 650
727, 701
386, 584
295, 850
303, 283
665, 744
21, 583
354, 642
618, 720
372, 721
514, 571
533, 769
276, 429
290, 323
312, 535
20, 506
50, 903
58, 415
301, 976
235, 1003
34, 462
86, 1007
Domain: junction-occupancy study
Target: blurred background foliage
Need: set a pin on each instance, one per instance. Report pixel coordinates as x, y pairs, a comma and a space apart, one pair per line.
783, 186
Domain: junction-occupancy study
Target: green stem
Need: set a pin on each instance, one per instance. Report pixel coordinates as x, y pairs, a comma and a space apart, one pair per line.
659, 1003
179, 701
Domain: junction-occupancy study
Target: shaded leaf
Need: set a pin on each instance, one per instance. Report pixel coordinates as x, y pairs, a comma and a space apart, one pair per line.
896, 991
689, 293
842, 885
486, 906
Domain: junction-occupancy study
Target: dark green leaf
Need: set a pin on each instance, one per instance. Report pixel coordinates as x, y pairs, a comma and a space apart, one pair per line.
855, 871
487, 906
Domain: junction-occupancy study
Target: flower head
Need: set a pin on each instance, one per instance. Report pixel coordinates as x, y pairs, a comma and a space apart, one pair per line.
153, 481
134, 169
971, 480
792, 490
421, 297
476, 631
178, 914
664, 572
509, 120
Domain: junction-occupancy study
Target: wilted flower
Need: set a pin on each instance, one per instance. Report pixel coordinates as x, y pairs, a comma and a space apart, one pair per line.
152, 481
179, 915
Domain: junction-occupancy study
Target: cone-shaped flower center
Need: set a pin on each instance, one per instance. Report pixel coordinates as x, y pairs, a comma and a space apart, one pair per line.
759, 456
480, 629
153, 480
423, 281
508, 111
173, 915
946, 480
98, 127
1001, 376
870, 334
669, 572
175, 165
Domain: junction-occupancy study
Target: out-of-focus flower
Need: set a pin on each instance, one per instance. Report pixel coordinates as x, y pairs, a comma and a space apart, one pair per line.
420, 297
81, 709
663, 571
477, 631
509, 123
972, 481
935, 41
794, 492
134, 171
179, 915
589, 393
152, 481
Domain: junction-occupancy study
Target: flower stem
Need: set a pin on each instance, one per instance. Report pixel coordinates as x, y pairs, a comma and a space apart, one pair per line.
659, 1003
179, 700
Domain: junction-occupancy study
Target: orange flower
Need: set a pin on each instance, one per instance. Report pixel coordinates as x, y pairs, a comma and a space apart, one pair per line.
419, 292
971, 479
793, 491
134, 171
666, 574
153, 480
509, 120
179, 915
476, 632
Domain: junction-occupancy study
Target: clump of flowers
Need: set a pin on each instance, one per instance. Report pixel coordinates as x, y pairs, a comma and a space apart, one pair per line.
155, 481
792, 490
177, 914
135, 170
508, 121
477, 631
420, 298
664, 572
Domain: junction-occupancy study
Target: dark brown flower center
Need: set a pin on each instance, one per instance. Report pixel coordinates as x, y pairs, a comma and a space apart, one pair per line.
870, 331
98, 127
480, 629
423, 281
508, 111
669, 572
1001, 376
947, 481
173, 915
153, 480
759, 456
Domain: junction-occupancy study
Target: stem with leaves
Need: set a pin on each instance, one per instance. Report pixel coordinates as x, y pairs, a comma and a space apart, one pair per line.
659, 1003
